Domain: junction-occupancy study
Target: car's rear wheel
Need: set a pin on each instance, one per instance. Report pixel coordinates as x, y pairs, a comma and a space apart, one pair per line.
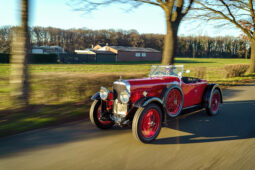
174, 102
214, 105
95, 114
147, 123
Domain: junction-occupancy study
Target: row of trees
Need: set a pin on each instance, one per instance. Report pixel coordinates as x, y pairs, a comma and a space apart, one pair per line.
71, 39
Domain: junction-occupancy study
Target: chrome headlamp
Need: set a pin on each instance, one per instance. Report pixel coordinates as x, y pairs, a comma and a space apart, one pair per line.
124, 96
104, 92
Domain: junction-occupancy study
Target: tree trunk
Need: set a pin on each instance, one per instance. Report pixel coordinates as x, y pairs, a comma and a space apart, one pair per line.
19, 69
170, 42
252, 65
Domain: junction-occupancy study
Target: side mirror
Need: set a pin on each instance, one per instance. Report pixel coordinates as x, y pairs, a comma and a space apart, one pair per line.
187, 71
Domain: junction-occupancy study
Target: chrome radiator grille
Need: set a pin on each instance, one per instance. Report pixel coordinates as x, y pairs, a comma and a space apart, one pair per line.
118, 107
117, 89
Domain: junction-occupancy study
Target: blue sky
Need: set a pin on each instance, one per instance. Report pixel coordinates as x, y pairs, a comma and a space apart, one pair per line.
145, 19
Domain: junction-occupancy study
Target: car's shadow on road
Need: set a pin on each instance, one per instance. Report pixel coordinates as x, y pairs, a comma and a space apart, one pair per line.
236, 120
55, 136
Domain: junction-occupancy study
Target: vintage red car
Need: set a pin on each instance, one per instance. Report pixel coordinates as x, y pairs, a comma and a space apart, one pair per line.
145, 103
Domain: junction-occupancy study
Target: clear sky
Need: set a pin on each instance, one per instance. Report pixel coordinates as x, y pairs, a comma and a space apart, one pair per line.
145, 19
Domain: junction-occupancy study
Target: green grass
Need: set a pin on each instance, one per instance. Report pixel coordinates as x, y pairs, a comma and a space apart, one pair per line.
61, 92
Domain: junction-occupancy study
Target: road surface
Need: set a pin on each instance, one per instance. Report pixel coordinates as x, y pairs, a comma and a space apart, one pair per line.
193, 141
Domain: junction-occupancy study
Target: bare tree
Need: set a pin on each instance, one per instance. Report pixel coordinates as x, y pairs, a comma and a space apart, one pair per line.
240, 13
19, 68
174, 11
5, 39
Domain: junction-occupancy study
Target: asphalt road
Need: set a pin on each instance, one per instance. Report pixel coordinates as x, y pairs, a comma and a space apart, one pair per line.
193, 141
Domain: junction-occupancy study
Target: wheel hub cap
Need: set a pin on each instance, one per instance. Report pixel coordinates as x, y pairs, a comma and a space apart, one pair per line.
152, 124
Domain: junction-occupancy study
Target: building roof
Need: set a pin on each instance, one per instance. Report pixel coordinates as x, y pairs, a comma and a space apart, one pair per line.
140, 49
84, 52
46, 47
102, 52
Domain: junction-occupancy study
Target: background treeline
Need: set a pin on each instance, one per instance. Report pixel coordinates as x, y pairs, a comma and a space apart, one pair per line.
74, 39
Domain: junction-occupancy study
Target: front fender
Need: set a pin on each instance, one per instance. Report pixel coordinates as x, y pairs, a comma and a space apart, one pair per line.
96, 96
147, 100
208, 94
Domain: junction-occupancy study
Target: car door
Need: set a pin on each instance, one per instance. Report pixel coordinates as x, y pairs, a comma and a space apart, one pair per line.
189, 93
198, 92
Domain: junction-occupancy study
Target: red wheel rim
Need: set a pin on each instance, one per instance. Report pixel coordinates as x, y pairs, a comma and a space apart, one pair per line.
173, 101
98, 117
215, 101
150, 123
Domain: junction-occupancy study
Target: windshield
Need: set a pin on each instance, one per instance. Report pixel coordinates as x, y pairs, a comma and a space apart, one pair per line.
169, 70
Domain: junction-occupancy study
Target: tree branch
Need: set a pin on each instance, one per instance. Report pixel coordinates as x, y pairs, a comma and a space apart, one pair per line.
229, 11
148, 2
252, 10
247, 32
188, 8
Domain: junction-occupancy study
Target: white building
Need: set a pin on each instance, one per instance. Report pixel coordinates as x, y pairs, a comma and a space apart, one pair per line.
47, 50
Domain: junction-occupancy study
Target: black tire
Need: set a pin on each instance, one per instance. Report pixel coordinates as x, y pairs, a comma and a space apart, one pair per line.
210, 109
93, 116
136, 124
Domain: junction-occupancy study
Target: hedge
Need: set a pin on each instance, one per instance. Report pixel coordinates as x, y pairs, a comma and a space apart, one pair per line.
33, 58
43, 58
4, 58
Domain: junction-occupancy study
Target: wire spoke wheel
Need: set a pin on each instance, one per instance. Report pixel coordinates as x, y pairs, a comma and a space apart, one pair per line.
150, 123
146, 124
215, 101
99, 115
174, 102
95, 114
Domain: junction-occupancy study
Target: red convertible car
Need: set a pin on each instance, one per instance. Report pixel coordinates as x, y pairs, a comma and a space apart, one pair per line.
145, 103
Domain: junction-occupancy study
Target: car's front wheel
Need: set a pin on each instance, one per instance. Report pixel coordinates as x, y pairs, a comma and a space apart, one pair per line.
95, 114
214, 105
146, 124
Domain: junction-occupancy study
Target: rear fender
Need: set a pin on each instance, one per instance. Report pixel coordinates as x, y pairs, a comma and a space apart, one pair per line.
208, 94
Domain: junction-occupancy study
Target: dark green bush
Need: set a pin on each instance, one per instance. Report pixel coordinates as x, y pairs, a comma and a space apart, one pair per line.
4, 58
33, 58
43, 58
